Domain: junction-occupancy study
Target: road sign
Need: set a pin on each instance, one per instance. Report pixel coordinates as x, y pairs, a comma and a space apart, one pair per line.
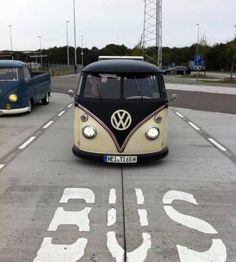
198, 61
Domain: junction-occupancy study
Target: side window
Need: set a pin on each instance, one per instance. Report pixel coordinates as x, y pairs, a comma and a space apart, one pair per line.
27, 74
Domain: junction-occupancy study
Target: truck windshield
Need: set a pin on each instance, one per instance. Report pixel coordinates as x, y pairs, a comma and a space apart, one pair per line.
8, 74
128, 86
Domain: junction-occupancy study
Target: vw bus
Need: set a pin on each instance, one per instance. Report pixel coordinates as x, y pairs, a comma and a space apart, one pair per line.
121, 112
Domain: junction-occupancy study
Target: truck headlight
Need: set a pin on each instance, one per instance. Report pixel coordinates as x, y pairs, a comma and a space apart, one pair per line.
12, 98
152, 133
89, 131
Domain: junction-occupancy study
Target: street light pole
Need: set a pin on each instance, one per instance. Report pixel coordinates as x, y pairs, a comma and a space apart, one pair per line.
82, 51
40, 46
67, 43
75, 37
197, 51
11, 39
197, 39
235, 31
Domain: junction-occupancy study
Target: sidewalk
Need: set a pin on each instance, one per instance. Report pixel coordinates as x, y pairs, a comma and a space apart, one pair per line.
202, 88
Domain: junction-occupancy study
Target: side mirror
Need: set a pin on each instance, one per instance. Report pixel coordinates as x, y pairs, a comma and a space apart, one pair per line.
71, 93
173, 97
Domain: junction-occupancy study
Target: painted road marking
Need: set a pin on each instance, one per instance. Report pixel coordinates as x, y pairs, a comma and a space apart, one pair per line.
112, 196
78, 193
137, 255
143, 217
30, 140
79, 218
178, 114
61, 113
227, 152
185, 220
60, 253
48, 124
111, 217
194, 126
70, 105
217, 253
214, 142
139, 195
1, 166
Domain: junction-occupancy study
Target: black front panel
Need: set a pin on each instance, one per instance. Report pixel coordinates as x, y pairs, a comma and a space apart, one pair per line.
138, 111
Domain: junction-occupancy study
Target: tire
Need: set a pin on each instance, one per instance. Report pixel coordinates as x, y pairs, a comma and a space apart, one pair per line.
45, 100
30, 106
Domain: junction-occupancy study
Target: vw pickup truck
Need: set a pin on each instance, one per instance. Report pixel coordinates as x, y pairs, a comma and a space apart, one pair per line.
20, 88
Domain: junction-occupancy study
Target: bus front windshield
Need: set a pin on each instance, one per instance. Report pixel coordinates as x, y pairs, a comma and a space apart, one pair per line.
129, 86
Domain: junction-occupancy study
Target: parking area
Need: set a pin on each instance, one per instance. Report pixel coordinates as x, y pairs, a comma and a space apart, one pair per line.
56, 207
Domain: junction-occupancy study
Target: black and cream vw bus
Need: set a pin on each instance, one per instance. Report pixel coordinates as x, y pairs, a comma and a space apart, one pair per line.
121, 112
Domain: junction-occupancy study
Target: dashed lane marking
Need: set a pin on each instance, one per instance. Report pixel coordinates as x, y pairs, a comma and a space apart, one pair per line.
8, 157
30, 140
226, 151
194, 126
214, 142
48, 124
61, 113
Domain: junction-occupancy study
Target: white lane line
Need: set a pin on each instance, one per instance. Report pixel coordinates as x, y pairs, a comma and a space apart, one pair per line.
139, 195
1, 166
30, 140
61, 113
111, 217
214, 142
143, 217
112, 196
70, 105
194, 126
178, 114
48, 124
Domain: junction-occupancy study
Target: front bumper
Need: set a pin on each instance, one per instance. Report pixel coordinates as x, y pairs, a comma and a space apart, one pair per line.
140, 157
14, 111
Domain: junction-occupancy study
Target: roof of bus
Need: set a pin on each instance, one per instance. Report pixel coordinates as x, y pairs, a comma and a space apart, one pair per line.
121, 66
11, 63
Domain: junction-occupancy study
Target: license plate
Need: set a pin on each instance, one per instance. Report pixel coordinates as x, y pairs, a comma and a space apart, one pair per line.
120, 159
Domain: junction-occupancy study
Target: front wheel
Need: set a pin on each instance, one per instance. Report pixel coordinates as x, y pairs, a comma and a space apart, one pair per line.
30, 106
45, 100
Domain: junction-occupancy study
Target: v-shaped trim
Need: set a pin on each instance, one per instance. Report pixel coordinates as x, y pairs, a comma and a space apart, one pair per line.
119, 148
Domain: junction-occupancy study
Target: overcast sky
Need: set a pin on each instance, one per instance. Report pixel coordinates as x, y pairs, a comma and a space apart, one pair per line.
102, 22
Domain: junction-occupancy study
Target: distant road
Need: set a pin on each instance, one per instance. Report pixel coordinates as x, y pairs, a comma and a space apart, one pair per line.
223, 103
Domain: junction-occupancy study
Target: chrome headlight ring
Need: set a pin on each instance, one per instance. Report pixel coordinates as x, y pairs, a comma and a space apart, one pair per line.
152, 133
89, 132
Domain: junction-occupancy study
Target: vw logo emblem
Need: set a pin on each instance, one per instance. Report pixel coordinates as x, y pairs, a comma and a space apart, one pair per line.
121, 120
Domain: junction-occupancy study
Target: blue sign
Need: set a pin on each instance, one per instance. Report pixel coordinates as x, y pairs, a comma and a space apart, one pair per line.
198, 61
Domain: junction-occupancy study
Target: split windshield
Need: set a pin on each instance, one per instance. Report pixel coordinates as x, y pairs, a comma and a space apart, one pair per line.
129, 86
8, 74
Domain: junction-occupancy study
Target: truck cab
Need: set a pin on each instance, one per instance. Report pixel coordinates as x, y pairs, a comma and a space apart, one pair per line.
20, 88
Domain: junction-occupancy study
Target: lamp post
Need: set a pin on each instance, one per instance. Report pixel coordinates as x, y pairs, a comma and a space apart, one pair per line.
67, 43
40, 46
197, 51
75, 37
82, 51
235, 31
10, 26
197, 39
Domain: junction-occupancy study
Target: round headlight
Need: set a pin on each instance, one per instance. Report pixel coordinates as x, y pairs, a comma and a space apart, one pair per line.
152, 133
12, 98
89, 131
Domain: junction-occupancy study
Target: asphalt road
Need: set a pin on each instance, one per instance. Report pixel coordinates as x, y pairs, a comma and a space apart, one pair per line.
56, 207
